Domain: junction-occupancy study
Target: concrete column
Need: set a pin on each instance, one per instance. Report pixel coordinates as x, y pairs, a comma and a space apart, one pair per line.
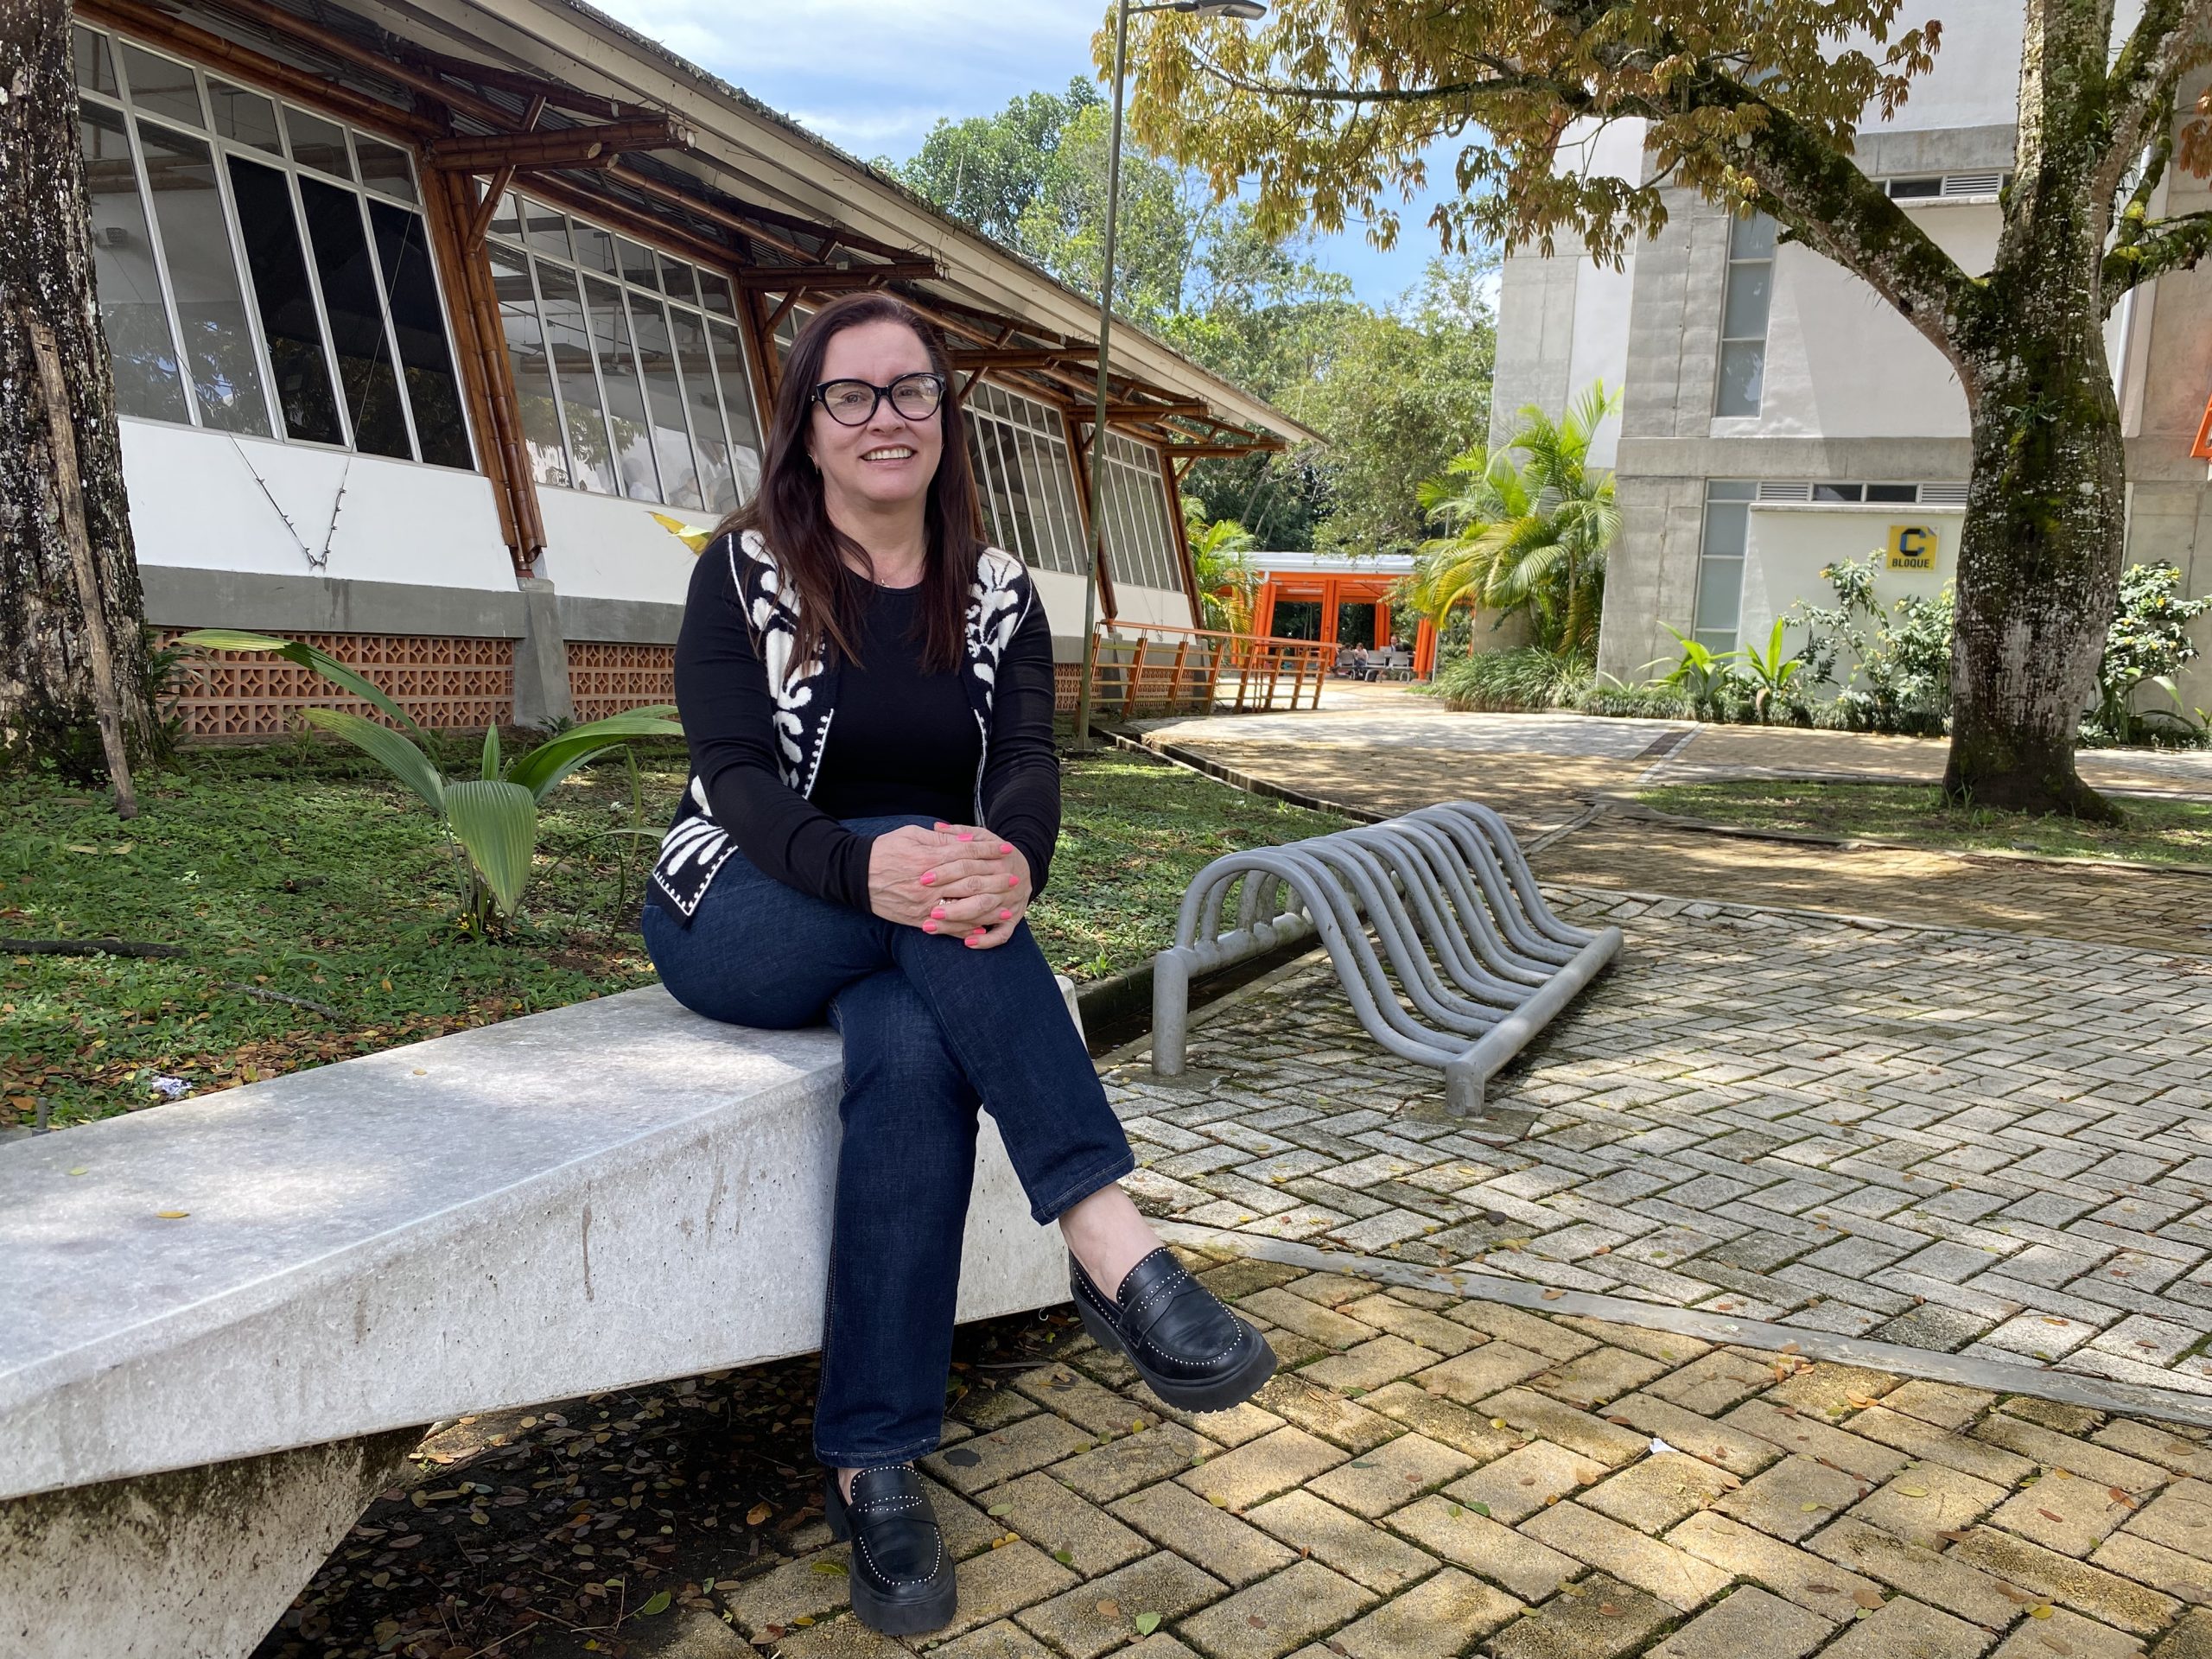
542, 694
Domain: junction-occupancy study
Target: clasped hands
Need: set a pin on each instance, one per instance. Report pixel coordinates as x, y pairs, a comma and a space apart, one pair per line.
958, 879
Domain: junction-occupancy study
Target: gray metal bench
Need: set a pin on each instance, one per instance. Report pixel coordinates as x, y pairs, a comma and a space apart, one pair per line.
195, 1406
1459, 932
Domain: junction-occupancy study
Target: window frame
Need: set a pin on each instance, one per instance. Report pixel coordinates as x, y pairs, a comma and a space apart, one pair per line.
221, 149
1722, 340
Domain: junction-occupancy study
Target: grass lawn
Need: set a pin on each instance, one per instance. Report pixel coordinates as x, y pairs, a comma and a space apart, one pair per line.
2156, 831
299, 872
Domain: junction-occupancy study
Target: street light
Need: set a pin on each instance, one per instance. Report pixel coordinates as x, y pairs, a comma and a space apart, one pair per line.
1245, 11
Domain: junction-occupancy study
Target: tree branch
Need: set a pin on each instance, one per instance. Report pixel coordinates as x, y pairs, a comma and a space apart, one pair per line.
1510, 81
2142, 80
2175, 244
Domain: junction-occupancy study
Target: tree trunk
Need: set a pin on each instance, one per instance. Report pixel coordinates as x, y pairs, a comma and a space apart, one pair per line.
2039, 558
58, 650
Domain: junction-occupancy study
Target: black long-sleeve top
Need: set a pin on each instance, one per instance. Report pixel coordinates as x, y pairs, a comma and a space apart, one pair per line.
903, 740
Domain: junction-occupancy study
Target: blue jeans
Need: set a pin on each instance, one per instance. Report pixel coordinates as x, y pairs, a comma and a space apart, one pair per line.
932, 1030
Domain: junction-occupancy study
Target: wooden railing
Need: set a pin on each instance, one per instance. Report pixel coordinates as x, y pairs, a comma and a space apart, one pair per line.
1154, 669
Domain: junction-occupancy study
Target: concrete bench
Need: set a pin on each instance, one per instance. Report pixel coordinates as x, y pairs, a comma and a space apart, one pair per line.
195, 1407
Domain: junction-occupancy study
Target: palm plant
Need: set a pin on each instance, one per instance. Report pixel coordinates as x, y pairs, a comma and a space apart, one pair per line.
492, 817
1527, 535
1227, 580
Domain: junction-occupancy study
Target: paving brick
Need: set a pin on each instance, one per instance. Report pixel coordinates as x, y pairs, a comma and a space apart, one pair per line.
843, 1638
2190, 1638
997, 1582
2067, 1633
1664, 1345
1072, 1531
984, 1460
2168, 1571
1748, 1624
1449, 1425
1525, 1331
1261, 1469
792, 1590
1817, 1586
1067, 1392
1446, 1614
1653, 1495
1090, 1619
1794, 1497
1354, 1547
1905, 1626
1441, 1336
1176, 1518
1473, 1377
1444, 1527
1709, 1386
2078, 1457
1930, 1444
1599, 1618
1322, 1412
1577, 1431
1519, 1483
1676, 1576
1134, 1461
1858, 1455
1231, 1427
1392, 1475
1919, 1573
1371, 1365
1945, 1405
1926, 1500
1271, 1618
2090, 1590
2180, 1518
1309, 1319
1591, 1379
1741, 1454
2061, 1513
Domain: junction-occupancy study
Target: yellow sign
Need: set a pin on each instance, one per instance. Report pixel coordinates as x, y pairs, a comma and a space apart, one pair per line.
1912, 547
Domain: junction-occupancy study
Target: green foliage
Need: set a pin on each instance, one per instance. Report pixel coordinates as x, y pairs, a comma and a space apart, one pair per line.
1899, 674
2147, 643
1527, 537
1228, 581
1702, 677
1769, 679
494, 818
1530, 678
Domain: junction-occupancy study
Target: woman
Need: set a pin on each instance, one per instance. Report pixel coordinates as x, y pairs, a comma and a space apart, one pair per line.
808, 875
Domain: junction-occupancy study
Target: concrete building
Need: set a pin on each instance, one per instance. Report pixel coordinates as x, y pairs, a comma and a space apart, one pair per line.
1779, 416
421, 312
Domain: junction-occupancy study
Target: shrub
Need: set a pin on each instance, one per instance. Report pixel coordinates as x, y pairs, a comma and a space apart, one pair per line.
1528, 679
2148, 643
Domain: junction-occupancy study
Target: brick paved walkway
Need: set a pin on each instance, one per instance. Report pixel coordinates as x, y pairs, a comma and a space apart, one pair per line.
1967, 1142
1440, 1477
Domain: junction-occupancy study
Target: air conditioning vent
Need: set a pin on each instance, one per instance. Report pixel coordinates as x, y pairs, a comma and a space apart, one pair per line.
1971, 184
1772, 491
1942, 495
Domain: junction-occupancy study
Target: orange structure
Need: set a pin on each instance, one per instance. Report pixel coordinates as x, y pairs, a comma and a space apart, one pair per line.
1335, 584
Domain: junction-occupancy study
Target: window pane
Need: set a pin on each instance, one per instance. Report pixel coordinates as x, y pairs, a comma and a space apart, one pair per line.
218, 348
1893, 491
1719, 592
1839, 491
247, 117
318, 143
737, 405
676, 277
545, 229
568, 342
638, 263
679, 472
714, 288
1911, 188
95, 61
594, 249
1743, 369
716, 482
981, 469
541, 416
1017, 489
350, 302
1052, 539
506, 217
132, 316
1727, 526
410, 290
271, 235
383, 166
1751, 238
1750, 288
162, 87
626, 402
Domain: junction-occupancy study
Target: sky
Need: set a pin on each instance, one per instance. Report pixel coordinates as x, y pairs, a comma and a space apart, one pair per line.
873, 76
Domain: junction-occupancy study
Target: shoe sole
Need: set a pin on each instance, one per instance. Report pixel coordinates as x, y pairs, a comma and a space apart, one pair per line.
1220, 1394
888, 1618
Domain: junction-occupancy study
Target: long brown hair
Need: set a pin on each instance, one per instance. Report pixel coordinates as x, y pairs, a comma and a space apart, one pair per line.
788, 512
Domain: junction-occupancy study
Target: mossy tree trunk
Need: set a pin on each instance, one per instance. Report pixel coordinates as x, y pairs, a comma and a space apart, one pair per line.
73, 659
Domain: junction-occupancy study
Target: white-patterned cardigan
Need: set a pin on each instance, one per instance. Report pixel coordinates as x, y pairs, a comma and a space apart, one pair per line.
805, 693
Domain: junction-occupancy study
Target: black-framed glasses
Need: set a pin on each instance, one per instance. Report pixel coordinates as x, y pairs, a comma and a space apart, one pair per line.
854, 403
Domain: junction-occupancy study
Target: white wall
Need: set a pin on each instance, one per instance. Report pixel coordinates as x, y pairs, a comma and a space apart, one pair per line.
1975, 81
194, 503
1788, 546
601, 547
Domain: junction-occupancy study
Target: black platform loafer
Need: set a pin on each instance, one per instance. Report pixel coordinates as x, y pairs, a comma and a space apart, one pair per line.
1191, 1350
900, 1574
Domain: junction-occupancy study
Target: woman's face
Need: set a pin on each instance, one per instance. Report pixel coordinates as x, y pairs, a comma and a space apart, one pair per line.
887, 460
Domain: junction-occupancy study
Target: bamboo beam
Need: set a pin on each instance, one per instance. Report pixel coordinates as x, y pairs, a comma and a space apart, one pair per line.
512, 81
1010, 358
479, 222
1189, 565
561, 147
382, 64
770, 279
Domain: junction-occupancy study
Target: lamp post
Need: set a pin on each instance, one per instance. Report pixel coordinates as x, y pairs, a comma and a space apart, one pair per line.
1246, 11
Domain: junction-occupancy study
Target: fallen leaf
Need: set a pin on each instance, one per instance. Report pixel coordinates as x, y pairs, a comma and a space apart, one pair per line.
1955, 1534
1480, 1509
1867, 1597
1146, 1622
2042, 1612
1255, 1620
2119, 1496
1913, 1491
1809, 1508
79, 1170
1064, 1557
827, 1568
1791, 1348
1110, 1609
1859, 1401
171, 1215
1608, 1610
759, 1513
999, 1509
1554, 1295
1825, 1589
656, 1604
2050, 1515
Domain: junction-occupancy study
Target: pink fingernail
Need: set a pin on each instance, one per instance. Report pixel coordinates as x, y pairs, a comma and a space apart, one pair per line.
928, 927
1006, 915
928, 876
1012, 881
967, 837
977, 934
937, 915
1005, 846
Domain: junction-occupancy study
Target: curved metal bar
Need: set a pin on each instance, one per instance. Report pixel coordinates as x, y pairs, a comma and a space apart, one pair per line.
1437, 909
